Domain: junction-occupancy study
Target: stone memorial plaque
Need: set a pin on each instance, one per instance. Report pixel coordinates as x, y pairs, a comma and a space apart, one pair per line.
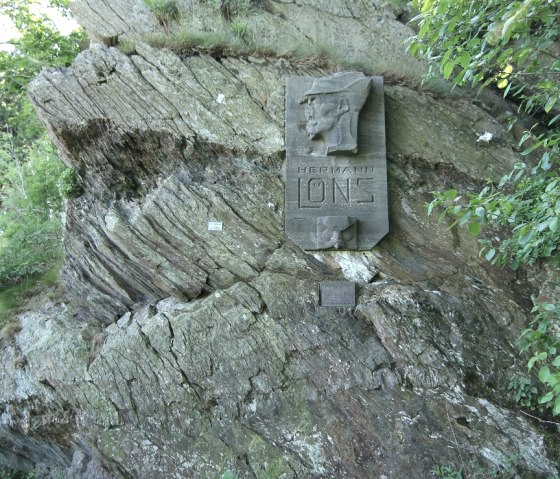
338, 293
336, 173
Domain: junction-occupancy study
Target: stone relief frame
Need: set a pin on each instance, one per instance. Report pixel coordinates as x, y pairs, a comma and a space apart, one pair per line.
336, 173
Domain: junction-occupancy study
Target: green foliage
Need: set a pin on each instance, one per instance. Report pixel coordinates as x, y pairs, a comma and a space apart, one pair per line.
68, 184
542, 339
491, 42
225, 42
16, 298
229, 475
473, 470
506, 44
525, 393
31, 198
33, 180
525, 202
165, 10
239, 29
39, 45
6, 473
509, 45
447, 472
532, 209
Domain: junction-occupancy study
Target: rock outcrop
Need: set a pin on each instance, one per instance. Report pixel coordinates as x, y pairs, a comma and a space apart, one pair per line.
184, 352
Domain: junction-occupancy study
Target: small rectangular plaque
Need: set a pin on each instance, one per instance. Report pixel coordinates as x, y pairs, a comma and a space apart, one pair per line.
215, 226
338, 293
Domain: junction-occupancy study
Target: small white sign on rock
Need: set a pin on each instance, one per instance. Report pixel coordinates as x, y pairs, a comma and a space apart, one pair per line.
215, 226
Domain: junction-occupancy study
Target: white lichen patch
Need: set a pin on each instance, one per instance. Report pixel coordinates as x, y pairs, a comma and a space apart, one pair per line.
111, 220
252, 406
406, 419
311, 447
486, 137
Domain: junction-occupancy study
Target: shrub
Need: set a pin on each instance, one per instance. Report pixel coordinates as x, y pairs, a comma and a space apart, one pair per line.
509, 46
524, 392
32, 197
165, 10
542, 339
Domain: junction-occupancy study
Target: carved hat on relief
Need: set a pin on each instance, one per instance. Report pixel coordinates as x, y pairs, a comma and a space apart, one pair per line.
354, 82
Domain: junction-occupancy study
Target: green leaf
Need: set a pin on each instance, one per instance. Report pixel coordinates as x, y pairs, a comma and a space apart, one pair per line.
550, 103
465, 59
554, 381
537, 357
490, 254
544, 225
428, 4
502, 83
504, 180
556, 408
545, 161
507, 28
447, 55
546, 398
442, 6
544, 374
465, 219
474, 228
524, 239
524, 138
533, 147
431, 206
551, 186
447, 69
554, 120
424, 29
531, 363
450, 194
506, 91
413, 49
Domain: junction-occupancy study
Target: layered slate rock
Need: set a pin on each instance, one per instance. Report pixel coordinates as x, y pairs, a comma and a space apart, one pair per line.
261, 383
185, 352
157, 167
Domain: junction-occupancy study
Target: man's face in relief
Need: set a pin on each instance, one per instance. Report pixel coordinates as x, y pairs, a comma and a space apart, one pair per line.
321, 112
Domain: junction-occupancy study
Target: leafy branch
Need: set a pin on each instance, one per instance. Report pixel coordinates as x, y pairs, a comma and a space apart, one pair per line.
509, 46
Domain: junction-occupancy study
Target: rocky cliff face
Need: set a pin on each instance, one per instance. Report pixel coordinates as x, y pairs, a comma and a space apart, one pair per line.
184, 352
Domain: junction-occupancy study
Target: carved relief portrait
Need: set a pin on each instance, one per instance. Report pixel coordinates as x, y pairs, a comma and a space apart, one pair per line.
336, 174
332, 108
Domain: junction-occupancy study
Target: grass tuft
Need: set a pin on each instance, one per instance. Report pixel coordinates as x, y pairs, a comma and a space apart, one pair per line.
232, 42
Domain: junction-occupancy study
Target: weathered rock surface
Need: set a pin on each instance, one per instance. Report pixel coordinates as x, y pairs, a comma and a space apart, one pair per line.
186, 352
